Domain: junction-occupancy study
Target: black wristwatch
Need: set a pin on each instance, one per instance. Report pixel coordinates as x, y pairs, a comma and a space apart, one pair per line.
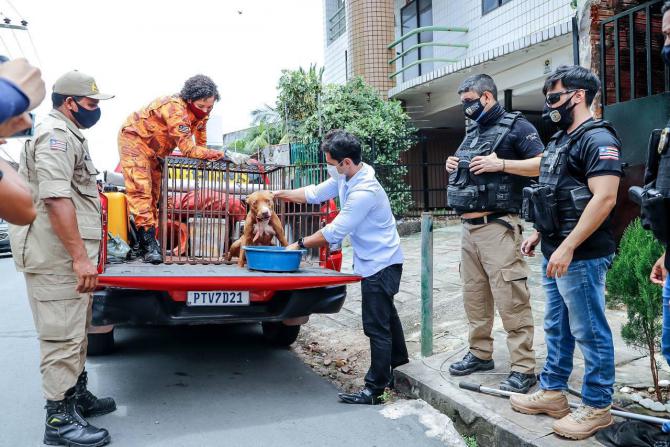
301, 243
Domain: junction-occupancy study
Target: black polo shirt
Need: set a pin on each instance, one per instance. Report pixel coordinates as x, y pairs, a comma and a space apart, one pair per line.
521, 143
596, 153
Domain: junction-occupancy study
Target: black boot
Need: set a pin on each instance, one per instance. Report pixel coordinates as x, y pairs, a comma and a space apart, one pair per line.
88, 404
518, 382
65, 426
149, 248
470, 364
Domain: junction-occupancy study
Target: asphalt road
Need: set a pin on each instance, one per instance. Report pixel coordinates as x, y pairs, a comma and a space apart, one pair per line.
201, 386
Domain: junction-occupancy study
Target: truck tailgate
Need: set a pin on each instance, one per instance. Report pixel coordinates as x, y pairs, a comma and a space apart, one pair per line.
174, 277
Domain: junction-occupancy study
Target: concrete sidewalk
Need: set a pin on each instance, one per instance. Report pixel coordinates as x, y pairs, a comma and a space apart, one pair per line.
488, 417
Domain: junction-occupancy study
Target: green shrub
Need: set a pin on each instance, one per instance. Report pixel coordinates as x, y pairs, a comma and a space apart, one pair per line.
628, 283
298, 97
382, 126
306, 110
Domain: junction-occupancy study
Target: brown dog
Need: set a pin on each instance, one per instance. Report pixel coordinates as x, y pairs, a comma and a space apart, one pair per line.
260, 226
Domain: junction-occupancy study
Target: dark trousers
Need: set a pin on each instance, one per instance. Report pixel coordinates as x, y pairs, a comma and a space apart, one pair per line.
382, 326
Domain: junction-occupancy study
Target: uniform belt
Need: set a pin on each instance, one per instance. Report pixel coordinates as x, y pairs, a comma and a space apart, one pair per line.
491, 218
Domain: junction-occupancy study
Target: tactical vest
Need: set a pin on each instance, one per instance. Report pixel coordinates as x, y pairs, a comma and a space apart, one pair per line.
491, 191
654, 197
556, 210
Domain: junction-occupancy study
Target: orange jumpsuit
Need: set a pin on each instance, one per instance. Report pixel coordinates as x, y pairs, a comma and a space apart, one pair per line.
154, 132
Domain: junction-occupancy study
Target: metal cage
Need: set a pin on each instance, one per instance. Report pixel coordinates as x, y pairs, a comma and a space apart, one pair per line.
202, 208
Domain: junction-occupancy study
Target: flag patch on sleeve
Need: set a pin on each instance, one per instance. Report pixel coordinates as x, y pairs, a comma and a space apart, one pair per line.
608, 153
58, 145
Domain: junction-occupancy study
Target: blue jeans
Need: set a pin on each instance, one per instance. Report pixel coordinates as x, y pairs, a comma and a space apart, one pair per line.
665, 338
575, 312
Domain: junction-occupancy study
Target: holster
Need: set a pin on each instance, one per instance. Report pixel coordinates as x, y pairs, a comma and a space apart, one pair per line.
540, 206
654, 213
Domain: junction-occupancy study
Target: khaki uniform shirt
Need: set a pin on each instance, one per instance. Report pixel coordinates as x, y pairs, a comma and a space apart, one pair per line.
56, 163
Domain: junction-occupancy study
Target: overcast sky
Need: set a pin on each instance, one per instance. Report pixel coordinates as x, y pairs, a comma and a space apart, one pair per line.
142, 49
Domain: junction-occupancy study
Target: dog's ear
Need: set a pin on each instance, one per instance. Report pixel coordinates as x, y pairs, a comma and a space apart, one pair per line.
251, 198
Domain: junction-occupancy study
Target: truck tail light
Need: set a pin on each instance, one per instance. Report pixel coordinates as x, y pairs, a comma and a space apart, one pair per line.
102, 257
261, 296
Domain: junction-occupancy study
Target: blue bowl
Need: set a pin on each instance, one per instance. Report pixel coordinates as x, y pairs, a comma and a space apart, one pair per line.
273, 259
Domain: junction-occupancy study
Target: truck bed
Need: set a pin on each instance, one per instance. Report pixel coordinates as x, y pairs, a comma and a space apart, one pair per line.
175, 277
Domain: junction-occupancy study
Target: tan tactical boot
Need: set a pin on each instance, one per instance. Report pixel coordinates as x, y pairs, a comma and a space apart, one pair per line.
553, 403
583, 422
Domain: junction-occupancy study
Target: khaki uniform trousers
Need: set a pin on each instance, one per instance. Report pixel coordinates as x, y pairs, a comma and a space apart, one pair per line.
62, 318
493, 271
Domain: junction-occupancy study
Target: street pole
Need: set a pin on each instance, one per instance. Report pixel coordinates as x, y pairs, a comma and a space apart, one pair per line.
426, 284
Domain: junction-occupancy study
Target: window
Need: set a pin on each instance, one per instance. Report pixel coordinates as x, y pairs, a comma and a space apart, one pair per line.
417, 14
337, 22
490, 5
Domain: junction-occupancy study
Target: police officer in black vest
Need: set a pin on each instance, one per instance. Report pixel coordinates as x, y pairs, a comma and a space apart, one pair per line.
571, 208
486, 177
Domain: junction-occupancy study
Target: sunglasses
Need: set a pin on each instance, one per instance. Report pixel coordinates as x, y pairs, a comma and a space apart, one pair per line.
553, 98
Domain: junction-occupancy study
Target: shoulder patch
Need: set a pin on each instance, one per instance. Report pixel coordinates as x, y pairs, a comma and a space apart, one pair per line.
608, 153
183, 128
57, 145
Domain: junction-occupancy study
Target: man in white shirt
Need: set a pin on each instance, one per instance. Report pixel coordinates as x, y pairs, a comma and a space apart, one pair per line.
366, 217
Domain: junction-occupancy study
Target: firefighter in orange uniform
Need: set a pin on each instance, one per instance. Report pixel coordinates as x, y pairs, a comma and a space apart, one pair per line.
152, 133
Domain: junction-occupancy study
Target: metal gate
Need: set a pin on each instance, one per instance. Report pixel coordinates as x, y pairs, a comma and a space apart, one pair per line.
635, 84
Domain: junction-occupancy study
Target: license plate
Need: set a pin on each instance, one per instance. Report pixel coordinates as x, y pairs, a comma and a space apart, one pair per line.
218, 298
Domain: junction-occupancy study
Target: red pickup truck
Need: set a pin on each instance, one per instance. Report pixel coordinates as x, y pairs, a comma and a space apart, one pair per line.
190, 289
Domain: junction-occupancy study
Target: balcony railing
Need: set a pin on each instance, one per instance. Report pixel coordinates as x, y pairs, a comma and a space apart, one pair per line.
416, 47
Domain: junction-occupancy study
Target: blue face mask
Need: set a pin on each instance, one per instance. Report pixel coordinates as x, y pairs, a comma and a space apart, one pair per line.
87, 118
665, 53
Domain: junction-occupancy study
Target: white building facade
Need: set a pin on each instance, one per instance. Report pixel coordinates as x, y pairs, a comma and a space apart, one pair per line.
517, 42
336, 42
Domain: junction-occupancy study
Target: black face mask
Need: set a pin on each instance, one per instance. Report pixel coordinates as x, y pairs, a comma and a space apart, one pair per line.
665, 53
473, 108
87, 118
561, 116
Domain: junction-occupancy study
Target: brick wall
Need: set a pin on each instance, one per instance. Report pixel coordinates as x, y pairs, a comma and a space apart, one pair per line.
370, 30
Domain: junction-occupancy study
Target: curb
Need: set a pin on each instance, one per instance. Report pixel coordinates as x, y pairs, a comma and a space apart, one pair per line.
489, 418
